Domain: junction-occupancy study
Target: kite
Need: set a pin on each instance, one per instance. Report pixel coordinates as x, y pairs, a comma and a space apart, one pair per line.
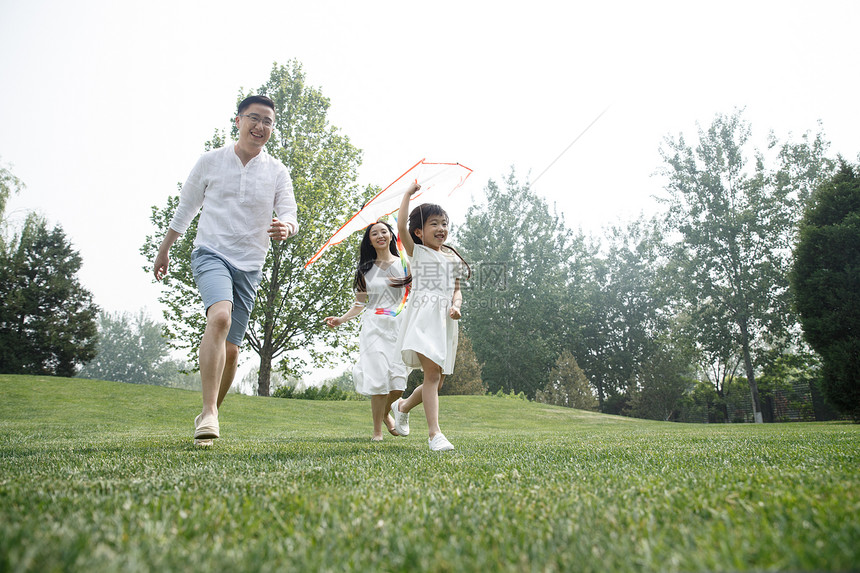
435, 179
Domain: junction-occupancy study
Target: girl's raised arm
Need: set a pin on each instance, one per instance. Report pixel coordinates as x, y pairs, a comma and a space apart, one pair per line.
403, 219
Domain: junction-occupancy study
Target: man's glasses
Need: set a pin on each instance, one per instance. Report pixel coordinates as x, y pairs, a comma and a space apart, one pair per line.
255, 119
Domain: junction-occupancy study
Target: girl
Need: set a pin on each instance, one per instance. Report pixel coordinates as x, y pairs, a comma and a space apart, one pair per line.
381, 282
428, 335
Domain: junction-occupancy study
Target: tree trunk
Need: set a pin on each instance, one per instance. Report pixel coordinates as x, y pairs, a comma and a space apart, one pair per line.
748, 366
722, 406
266, 355
599, 388
265, 375
266, 347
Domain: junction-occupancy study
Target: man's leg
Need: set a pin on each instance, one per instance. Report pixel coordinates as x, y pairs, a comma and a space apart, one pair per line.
244, 285
213, 354
231, 363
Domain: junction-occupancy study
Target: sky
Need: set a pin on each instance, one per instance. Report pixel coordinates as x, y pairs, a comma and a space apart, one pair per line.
107, 104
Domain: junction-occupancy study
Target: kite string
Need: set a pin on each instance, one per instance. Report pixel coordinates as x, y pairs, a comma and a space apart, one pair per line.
571, 144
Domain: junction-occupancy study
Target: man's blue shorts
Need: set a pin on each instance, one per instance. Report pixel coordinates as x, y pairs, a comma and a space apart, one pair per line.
218, 280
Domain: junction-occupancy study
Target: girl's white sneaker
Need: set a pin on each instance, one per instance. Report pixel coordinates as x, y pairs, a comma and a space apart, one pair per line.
401, 420
439, 443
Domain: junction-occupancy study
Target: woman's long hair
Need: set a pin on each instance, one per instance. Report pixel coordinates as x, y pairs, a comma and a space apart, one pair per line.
416, 221
367, 256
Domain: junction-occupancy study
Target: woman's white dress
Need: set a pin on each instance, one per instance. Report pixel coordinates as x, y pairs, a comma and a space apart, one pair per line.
427, 327
380, 369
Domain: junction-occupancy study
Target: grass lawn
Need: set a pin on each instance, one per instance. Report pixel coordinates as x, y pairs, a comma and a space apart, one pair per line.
102, 476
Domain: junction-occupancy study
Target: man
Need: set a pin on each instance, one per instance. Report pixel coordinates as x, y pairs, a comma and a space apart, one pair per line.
239, 187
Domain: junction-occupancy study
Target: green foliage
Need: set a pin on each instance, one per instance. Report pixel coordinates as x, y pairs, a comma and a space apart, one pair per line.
738, 400
734, 226
131, 349
567, 386
663, 379
701, 405
823, 407
786, 386
344, 381
291, 300
514, 396
186, 378
47, 319
9, 185
625, 306
826, 282
325, 392
717, 355
101, 476
521, 253
249, 383
413, 381
183, 308
466, 378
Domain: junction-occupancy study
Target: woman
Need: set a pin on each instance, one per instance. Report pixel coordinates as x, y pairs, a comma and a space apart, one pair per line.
381, 286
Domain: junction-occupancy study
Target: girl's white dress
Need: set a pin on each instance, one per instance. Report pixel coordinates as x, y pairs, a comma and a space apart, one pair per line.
427, 328
380, 369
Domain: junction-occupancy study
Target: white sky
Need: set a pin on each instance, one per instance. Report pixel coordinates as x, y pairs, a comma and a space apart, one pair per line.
106, 104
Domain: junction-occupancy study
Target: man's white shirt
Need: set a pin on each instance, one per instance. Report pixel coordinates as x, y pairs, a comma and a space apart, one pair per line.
237, 203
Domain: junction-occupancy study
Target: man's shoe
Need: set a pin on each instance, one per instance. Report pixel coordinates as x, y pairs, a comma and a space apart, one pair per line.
439, 443
401, 420
206, 428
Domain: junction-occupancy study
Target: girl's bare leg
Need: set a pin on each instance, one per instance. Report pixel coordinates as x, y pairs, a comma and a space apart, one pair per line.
428, 394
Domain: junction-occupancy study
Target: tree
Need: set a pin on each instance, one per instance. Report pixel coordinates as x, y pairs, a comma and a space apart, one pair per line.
250, 383
285, 325
734, 228
662, 380
466, 378
717, 355
626, 303
9, 185
567, 386
826, 282
131, 349
521, 255
343, 382
788, 385
47, 320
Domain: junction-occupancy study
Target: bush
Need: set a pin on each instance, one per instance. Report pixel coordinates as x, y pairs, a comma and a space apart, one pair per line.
567, 386
316, 393
501, 394
701, 405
